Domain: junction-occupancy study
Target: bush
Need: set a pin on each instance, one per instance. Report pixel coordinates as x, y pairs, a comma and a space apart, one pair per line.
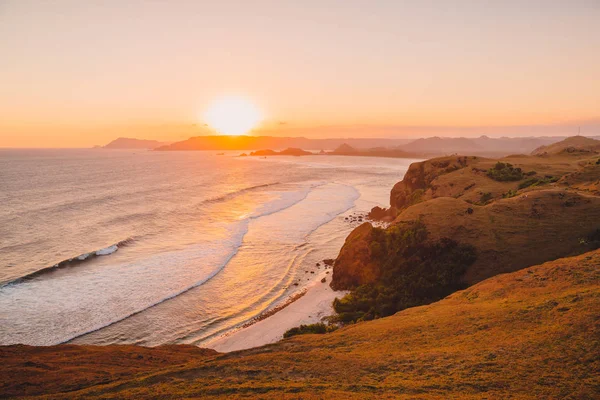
485, 197
528, 182
413, 272
505, 172
319, 328
532, 182
509, 194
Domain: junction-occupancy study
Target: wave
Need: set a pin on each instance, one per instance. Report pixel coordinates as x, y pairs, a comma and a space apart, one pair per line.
147, 269
228, 196
168, 297
275, 206
71, 262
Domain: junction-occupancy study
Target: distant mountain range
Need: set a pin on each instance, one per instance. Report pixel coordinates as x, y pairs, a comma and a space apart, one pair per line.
424, 147
482, 145
275, 143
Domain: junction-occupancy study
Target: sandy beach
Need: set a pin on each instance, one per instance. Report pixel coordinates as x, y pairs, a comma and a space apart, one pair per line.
308, 309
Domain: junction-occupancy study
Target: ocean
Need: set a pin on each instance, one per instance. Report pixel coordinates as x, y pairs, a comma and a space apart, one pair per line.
141, 247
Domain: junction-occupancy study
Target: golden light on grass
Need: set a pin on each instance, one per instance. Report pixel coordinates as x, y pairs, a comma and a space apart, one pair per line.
233, 115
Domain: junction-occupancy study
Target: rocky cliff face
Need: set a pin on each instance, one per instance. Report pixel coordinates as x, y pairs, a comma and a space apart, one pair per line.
354, 265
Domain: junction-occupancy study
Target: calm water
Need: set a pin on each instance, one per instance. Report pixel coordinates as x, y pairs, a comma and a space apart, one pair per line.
166, 247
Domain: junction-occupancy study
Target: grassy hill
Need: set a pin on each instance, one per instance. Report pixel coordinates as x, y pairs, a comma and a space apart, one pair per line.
572, 144
516, 212
529, 334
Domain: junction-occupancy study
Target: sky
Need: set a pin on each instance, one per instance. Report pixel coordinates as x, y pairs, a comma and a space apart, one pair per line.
78, 73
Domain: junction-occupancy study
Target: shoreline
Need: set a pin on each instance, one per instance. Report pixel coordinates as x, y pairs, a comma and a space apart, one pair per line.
316, 303
309, 306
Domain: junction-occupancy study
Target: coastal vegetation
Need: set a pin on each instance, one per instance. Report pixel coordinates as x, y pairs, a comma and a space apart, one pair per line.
412, 272
318, 328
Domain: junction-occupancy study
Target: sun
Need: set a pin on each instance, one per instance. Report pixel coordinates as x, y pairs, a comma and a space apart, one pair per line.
232, 115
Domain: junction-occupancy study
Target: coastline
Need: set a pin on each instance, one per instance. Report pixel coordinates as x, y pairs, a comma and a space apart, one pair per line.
307, 307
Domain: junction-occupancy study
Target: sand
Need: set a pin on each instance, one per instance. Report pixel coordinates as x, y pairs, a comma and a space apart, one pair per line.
308, 309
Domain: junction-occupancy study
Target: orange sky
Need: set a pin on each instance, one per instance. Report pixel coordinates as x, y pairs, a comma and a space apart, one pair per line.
82, 73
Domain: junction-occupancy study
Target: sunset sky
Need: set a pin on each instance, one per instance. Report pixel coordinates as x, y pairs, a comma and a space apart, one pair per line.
78, 73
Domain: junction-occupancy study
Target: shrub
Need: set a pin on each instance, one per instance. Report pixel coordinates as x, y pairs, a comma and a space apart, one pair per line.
318, 328
509, 194
528, 182
485, 197
413, 272
505, 172
532, 182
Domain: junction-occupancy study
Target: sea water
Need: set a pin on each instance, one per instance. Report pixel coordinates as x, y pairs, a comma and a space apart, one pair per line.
143, 247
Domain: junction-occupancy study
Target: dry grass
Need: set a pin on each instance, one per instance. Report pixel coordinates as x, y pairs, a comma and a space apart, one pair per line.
525, 335
537, 224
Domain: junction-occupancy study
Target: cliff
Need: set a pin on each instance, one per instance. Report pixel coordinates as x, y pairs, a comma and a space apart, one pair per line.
514, 212
355, 264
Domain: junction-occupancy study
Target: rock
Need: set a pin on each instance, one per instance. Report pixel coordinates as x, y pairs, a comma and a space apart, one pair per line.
295, 283
323, 280
327, 272
318, 265
469, 210
354, 266
312, 272
328, 261
380, 214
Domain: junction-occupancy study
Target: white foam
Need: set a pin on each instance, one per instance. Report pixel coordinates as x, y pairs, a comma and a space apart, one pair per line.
54, 309
108, 250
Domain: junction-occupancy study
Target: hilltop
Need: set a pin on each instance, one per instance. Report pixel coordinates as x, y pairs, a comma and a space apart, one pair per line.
570, 145
524, 335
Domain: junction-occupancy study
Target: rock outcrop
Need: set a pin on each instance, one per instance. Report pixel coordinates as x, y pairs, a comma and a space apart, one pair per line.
354, 265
